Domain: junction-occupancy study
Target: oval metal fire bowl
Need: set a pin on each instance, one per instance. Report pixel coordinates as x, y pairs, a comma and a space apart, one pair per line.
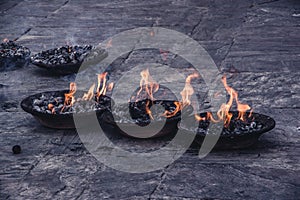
232, 138
66, 68
57, 121
170, 126
63, 69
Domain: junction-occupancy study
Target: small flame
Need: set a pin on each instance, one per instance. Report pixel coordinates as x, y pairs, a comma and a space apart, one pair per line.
199, 118
188, 90
89, 95
110, 86
51, 108
209, 116
164, 54
186, 94
69, 97
152, 33
173, 113
250, 114
109, 43
148, 84
101, 88
5, 40
148, 111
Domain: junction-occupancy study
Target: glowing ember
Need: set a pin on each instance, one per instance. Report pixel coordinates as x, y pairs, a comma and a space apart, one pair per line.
5, 40
51, 108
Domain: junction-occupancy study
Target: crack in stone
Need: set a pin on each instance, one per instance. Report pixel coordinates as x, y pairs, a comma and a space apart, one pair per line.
36, 163
267, 2
195, 26
60, 190
162, 178
228, 51
12, 6
81, 193
25, 32
129, 53
55, 11
233, 39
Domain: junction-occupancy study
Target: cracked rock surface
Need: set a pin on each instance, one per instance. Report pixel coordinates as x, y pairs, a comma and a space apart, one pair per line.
255, 42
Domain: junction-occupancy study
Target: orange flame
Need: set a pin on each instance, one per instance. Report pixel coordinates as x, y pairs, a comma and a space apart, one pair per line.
186, 94
188, 90
242, 108
51, 108
69, 97
199, 118
109, 43
148, 83
148, 111
110, 86
89, 95
101, 88
223, 113
173, 113
5, 40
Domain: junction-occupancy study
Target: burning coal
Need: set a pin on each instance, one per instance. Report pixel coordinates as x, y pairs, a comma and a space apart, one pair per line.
90, 101
224, 113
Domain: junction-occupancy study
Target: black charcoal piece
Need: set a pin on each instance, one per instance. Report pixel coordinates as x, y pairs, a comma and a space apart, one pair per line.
16, 149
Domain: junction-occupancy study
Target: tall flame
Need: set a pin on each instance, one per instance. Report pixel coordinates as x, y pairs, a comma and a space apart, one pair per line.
101, 88
148, 111
188, 90
69, 97
148, 84
186, 94
223, 113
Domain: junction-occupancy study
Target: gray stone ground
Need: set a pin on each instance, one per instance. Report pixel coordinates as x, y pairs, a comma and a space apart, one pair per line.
255, 42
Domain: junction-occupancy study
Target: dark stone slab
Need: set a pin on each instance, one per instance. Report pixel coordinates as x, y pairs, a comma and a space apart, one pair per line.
254, 42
